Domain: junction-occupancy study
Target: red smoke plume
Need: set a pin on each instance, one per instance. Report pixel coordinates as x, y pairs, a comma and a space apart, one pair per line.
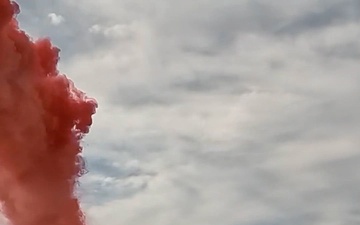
43, 117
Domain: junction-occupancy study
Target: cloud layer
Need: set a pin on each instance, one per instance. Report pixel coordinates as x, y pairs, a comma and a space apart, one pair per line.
211, 112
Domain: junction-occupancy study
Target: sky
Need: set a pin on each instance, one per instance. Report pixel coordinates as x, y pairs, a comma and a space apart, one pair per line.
232, 112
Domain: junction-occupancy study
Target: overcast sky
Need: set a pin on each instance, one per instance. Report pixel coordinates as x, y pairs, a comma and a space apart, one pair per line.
211, 112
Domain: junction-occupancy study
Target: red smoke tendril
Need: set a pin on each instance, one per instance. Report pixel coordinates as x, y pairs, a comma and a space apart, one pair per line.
43, 118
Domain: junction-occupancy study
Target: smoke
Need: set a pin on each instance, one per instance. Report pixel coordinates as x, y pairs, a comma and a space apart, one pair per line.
43, 118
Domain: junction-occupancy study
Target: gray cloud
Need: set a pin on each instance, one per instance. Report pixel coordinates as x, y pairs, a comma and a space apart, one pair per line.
137, 96
350, 50
205, 82
325, 14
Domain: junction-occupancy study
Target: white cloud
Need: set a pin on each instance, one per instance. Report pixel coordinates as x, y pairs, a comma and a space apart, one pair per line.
56, 19
115, 31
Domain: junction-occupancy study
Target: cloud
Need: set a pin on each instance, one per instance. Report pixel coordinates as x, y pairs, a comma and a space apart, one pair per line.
324, 15
115, 31
56, 19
